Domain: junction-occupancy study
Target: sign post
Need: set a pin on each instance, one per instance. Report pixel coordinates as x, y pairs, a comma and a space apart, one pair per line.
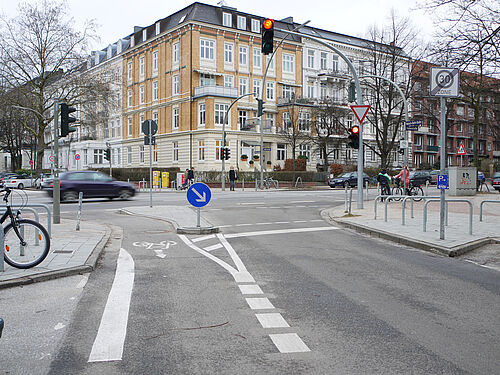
461, 152
198, 195
443, 83
149, 128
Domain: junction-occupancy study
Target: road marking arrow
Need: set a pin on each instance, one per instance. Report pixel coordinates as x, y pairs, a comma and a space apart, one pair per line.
202, 198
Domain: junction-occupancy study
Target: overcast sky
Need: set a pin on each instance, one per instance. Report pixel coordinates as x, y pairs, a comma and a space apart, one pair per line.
117, 19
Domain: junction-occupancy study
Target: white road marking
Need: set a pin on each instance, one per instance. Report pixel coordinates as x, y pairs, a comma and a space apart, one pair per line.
242, 225
259, 303
263, 223
83, 281
303, 202
236, 259
300, 206
160, 254
272, 320
300, 221
289, 343
278, 231
282, 222
252, 203
250, 289
213, 247
59, 326
203, 238
316, 220
108, 344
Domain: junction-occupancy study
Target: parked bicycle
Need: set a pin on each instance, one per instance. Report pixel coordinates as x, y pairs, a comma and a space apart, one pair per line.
412, 190
26, 242
269, 182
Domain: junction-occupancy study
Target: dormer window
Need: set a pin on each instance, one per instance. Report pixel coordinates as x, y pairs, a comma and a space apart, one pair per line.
255, 26
157, 28
144, 35
227, 19
242, 23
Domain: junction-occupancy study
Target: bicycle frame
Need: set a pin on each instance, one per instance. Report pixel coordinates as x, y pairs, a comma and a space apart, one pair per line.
13, 218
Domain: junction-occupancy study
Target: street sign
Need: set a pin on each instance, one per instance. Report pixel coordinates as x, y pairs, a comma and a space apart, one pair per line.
360, 111
413, 125
145, 127
77, 156
442, 181
461, 150
444, 82
52, 158
31, 162
199, 194
403, 143
267, 148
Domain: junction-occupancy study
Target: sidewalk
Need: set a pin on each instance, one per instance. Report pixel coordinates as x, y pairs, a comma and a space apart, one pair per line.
457, 238
71, 252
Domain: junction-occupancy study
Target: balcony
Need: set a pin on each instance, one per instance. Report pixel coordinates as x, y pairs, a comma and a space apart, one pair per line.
297, 100
221, 91
417, 148
330, 74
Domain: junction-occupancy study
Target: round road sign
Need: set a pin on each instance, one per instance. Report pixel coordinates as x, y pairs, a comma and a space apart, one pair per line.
77, 156
199, 194
52, 158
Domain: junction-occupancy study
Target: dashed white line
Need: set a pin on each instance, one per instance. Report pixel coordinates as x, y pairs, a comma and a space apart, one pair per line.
243, 225
300, 221
251, 203
263, 223
282, 222
250, 289
289, 343
303, 202
272, 320
278, 231
203, 238
259, 303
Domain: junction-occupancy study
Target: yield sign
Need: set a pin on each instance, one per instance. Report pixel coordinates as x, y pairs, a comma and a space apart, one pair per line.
360, 111
461, 149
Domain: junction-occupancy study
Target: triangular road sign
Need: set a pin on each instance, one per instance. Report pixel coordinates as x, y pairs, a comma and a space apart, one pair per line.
461, 149
360, 111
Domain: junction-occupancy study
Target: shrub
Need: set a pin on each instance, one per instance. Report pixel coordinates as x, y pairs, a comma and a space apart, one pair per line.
244, 157
336, 169
300, 164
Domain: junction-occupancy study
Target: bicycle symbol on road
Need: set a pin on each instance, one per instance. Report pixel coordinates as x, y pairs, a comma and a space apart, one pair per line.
156, 247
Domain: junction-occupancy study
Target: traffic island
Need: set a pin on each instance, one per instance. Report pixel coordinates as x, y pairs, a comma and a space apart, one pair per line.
197, 230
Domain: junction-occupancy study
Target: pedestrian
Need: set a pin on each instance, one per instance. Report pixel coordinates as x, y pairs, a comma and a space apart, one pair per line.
405, 176
232, 178
190, 176
384, 180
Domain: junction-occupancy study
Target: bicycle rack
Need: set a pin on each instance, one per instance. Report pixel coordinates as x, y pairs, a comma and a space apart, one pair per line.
449, 200
297, 182
412, 198
481, 207
29, 206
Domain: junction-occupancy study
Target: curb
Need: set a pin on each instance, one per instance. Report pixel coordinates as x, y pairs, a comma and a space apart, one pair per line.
89, 266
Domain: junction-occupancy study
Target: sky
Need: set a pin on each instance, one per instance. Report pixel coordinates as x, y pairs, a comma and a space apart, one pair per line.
117, 19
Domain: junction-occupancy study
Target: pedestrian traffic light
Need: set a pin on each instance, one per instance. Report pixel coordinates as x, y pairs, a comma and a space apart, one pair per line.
227, 153
352, 92
66, 119
107, 154
354, 137
267, 36
223, 153
260, 107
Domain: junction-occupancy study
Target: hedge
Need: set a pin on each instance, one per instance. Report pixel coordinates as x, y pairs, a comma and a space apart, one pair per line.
136, 174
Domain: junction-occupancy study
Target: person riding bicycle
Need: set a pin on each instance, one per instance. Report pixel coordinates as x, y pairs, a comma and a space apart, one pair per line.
384, 180
404, 175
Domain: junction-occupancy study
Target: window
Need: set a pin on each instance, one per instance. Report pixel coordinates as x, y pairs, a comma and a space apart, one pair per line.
142, 119
201, 114
207, 80
335, 62
175, 53
142, 68
243, 55
257, 58
175, 151
141, 154
242, 23
175, 117
129, 98
129, 129
270, 62
349, 121
460, 110
218, 147
207, 49
257, 83
459, 126
310, 90
129, 155
286, 121
155, 90
118, 128
85, 157
243, 86
227, 19
270, 90
242, 118
256, 26
98, 156
130, 67
310, 58
322, 60
288, 91
155, 62
322, 90
270, 120
155, 117
175, 84
280, 151
141, 95
305, 121
305, 150
155, 153
220, 111
201, 150
288, 63
228, 81
228, 53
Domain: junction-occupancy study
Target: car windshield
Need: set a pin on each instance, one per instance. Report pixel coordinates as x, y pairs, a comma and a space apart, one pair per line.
346, 174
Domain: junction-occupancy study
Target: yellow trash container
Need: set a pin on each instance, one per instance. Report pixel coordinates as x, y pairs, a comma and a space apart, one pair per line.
165, 179
156, 178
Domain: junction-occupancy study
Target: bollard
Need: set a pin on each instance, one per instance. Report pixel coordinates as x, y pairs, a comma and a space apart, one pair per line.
79, 214
345, 200
350, 200
243, 185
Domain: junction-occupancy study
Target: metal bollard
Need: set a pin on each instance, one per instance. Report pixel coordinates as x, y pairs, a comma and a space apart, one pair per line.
350, 200
79, 215
345, 200
243, 185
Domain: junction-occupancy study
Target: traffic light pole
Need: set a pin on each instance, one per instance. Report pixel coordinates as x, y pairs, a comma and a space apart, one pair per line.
56, 187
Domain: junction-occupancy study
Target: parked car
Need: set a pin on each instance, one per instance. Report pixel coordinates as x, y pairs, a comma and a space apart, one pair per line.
93, 185
19, 181
4, 176
418, 178
347, 179
495, 181
39, 181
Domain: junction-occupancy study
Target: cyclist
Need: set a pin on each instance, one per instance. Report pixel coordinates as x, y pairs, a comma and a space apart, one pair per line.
384, 180
404, 174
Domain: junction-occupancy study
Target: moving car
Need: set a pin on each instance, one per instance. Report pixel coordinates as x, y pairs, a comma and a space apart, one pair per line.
418, 178
347, 179
495, 181
19, 181
40, 180
93, 185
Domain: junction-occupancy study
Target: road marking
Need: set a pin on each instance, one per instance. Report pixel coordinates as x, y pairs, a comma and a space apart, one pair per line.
250, 289
83, 281
203, 238
160, 254
242, 225
259, 303
263, 223
108, 344
213, 247
59, 326
278, 231
236, 259
252, 203
272, 320
300, 221
303, 202
282, 222
289, 343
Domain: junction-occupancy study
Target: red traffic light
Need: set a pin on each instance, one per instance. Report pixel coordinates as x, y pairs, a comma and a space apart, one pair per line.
355, 129
268, 24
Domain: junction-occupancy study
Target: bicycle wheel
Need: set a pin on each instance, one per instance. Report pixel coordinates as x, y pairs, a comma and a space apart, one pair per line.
36, 248
417, 191
397, 191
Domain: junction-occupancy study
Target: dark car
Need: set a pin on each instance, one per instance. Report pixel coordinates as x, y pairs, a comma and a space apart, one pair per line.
495, 181
93, 185
418, 178
347, 179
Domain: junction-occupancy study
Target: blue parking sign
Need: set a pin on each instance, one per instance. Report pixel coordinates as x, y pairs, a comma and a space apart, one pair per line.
442, 181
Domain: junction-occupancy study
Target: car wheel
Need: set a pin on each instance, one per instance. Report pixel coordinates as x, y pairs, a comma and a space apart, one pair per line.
20, 186
124, 194
69, 196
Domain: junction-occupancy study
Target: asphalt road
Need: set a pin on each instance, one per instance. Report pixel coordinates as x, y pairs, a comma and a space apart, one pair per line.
312, 298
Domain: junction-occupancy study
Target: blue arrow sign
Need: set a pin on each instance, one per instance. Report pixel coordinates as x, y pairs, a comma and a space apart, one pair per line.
199, 194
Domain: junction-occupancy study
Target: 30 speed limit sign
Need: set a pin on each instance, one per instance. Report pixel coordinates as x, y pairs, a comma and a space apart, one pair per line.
444, 82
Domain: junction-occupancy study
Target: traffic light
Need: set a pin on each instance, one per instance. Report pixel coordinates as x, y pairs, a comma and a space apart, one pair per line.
107, 154
66, 119
351, 95
267, 36
354, 137
223, 153
260, 107
227, 153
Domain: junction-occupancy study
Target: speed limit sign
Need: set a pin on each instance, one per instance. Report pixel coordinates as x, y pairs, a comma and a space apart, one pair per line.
444, 82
